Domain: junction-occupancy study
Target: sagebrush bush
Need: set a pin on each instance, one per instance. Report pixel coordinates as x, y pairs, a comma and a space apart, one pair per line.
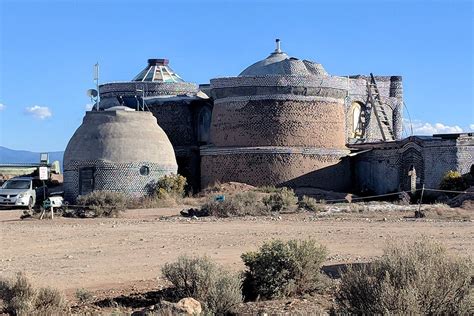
282, 200
453, 180
103, 203
170, 186
240, 204
49, 301
418, 278
200, 278
83, 295
21, 298
310, 204
280, 269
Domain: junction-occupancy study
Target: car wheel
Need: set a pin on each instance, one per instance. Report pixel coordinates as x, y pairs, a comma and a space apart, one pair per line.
31, 203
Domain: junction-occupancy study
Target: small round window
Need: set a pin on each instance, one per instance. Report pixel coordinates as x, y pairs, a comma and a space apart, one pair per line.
144, 171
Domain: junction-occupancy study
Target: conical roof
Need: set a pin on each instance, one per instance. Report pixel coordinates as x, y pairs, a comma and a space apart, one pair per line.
158, 71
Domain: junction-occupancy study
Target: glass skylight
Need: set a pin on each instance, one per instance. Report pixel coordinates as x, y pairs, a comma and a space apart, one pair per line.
158, 71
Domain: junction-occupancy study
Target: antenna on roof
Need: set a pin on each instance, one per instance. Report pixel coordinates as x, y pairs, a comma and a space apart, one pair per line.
278, 48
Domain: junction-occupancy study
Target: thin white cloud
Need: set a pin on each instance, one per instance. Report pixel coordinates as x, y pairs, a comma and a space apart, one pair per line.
39, 112
89, 106
425, 128
471, 127
2, 106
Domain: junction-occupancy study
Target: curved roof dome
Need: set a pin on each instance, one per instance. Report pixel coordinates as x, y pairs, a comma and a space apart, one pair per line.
279, 63
120, 137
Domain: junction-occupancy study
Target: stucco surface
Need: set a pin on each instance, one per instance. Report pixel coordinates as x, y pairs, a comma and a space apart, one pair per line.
120, 136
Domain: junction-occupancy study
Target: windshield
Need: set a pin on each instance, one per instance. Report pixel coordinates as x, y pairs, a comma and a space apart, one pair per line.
17, 184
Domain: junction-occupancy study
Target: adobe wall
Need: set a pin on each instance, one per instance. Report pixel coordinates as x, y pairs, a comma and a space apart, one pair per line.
289, 166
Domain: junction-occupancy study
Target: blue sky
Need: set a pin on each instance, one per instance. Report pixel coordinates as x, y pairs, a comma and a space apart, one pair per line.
48, 49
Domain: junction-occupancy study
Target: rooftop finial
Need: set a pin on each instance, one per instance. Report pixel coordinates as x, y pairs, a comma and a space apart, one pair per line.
277, 49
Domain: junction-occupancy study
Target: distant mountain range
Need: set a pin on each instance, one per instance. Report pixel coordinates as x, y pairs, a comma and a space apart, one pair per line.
8, 155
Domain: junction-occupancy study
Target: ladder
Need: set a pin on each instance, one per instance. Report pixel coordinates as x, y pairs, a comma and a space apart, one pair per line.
379, 111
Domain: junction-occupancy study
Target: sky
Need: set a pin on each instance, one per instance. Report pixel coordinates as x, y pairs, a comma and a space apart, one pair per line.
48, 49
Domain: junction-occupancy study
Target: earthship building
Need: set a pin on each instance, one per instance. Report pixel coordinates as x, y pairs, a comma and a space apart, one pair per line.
283, 121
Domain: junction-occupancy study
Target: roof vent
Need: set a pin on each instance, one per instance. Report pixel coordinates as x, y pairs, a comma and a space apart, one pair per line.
278, 48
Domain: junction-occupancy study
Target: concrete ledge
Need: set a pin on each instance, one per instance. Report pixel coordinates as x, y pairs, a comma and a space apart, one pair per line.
216, 151
280, 97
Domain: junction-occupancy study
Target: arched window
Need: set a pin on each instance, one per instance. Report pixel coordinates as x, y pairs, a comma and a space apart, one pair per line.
357, 120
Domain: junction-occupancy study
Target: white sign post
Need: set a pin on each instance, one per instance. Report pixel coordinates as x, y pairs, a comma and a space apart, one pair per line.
43, 173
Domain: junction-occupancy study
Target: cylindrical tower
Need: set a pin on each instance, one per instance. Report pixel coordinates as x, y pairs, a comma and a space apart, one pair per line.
280, 122
117, 150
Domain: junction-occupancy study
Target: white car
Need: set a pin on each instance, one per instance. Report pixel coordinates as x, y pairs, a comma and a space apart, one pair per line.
22, 191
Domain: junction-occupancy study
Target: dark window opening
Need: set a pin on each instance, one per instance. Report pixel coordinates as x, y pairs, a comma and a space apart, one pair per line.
144, 170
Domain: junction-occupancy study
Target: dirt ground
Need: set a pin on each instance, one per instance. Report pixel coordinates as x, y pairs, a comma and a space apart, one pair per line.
115, 253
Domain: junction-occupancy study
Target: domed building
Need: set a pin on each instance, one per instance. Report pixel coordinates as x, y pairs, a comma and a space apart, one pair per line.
280, 122
117, 149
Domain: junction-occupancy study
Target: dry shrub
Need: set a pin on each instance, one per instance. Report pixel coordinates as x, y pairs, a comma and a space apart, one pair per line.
217, 289
170, 186
49, 301
84, 296
280, 269
240, 204
102, 204
310, 204
453, 180
252, 203
282, 200
416, 278
21, 298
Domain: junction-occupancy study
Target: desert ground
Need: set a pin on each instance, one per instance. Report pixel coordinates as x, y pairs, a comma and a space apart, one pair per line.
123, 255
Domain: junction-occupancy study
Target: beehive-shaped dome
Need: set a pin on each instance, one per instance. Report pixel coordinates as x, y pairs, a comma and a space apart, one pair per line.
117, 150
